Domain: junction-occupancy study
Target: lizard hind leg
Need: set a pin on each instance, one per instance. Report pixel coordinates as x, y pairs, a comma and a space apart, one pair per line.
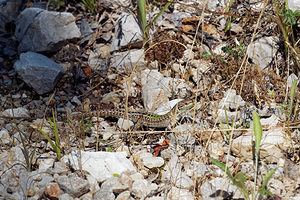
138, 125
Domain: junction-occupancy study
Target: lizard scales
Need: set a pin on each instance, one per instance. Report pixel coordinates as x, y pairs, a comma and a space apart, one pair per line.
141, 118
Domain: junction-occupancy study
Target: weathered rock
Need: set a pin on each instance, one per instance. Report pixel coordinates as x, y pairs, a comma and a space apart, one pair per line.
8, 10
231, 100
40, 30
174, 174
16, 112
105, 195
108, 163
65, 196
128, 61
75, 186
124, 196
4, 136
209, 189
141, 188
38, 71
128, 33
273, 144
52, 191
45, 165
263, 51
148, 160
117, 185
124, 124
294, 5
180, 194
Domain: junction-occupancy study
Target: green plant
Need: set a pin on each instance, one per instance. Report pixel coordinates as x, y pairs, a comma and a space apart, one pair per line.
290, 110
286, 20
27, 155
142, 12
55, 146
239, 179
235, 52
226, 133
228, 26
91, 5
57, 3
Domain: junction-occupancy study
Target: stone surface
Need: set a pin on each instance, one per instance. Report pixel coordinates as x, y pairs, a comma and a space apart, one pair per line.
124, 124
263, 51
73, 185
180, 194
231, 100
124, 196
128, 61
108, 163
291, 79
174, 174
128, 32
117, 184
52, 191
210, 188
38, 71
294, 5
104, 195
8, 10
65, 196
40, 30
141, 188
228, 116
4, 136
45, 165
273, 144
16, 112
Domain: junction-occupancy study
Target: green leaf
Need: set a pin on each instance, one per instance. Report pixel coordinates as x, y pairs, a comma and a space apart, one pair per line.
267, 177
222, 167
292, 96
142, 13
257, 132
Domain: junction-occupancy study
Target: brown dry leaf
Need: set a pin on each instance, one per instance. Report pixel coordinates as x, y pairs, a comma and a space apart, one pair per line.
87, 71
159, 147
209, 28
189, 23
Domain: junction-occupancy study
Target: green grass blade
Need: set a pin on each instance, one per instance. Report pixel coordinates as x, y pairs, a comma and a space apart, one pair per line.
267, 177
57, 141
258, 137
142, 14
257, 132
159, 14
239, 181
49, 140
292, 96
222, 167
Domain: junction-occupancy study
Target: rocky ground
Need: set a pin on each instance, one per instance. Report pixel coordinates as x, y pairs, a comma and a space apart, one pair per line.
59, 57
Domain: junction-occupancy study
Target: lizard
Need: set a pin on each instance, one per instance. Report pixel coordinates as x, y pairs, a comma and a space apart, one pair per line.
140, 118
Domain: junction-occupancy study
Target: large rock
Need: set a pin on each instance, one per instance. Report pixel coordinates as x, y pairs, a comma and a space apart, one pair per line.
40, 30
108, 163
294, 5
273, 144
128, 61
38, 71
263, 51
8, 10
128, 33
